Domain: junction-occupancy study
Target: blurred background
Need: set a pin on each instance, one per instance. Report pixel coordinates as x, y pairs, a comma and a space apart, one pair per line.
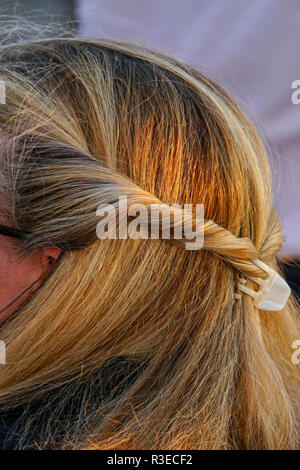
249, 47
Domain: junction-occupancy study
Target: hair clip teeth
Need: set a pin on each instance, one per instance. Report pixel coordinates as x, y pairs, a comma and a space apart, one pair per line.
273, 292
257, 280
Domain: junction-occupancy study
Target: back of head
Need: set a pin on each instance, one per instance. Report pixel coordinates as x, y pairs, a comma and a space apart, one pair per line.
84, 123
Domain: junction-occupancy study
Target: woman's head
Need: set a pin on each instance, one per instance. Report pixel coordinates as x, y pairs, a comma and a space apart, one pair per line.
84, 123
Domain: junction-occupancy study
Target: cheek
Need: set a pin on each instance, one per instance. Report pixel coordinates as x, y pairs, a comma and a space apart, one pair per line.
10, 276
16, 274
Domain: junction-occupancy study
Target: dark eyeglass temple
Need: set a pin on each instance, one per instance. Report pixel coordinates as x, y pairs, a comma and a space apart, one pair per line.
12, 232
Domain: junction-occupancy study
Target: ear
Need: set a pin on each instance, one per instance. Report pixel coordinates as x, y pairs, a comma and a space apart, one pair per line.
49, 255
27, 273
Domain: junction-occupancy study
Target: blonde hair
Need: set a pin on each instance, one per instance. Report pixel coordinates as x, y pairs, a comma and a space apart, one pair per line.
88, 121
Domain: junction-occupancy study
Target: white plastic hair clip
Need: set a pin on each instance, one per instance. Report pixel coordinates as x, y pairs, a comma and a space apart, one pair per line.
273, 292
